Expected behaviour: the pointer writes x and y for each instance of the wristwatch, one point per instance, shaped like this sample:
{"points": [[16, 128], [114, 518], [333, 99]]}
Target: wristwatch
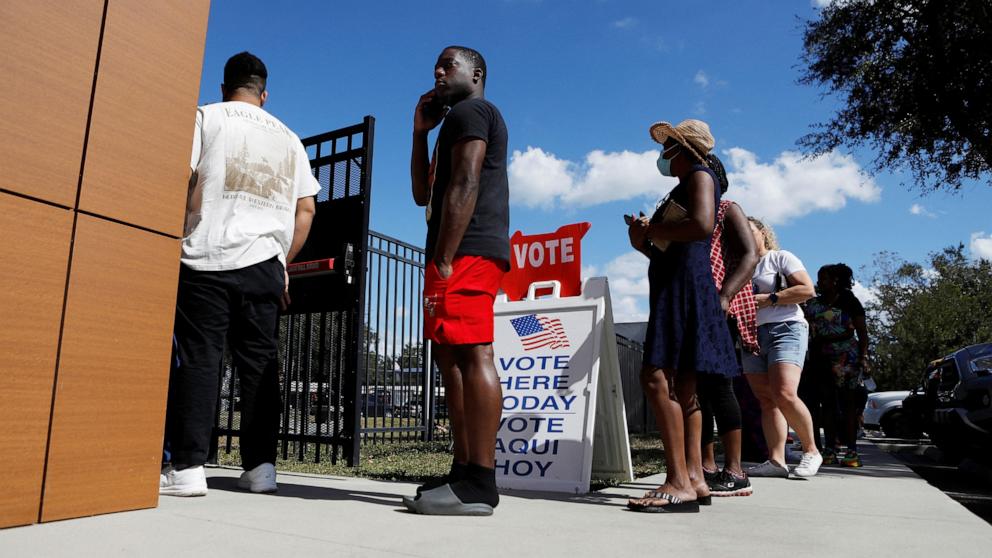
{"points": [[774, 298]]}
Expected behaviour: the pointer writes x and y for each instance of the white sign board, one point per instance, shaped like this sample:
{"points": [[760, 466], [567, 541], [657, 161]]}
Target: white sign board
{"points": [[557, 362]]}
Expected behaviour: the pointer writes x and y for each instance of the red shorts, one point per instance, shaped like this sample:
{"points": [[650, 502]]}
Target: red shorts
{"points": [[459, 310]]}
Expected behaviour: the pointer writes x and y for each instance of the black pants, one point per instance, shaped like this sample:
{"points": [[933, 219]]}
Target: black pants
{"points": [[717, 400], [241, 307], [716, 396], [841, 407], [813, 388]]}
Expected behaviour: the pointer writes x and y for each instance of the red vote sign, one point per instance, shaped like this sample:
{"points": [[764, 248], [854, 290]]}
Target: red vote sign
{"points": [[545, 257]]}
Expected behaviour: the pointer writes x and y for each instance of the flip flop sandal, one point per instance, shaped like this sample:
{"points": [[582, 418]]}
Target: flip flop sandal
{"points": [[674, 505], [444, 501], [703, 500]]}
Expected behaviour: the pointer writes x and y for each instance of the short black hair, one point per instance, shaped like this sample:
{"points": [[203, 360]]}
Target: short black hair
{"points": [[474, 58], [244, 70], [716, 165]]}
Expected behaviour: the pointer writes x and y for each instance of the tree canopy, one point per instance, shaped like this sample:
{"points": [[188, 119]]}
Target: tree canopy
{"points": [[916, 80], [923, 313]]}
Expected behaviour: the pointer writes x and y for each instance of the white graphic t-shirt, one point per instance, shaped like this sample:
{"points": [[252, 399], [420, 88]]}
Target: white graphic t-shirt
{"points": [[782, 263], [250, 170]]}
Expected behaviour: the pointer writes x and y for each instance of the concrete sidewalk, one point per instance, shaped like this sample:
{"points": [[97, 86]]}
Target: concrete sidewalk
{"points": [[883, 509]]}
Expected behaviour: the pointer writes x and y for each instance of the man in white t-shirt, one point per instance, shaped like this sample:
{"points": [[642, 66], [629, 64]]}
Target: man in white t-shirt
{"points": [[250, 205]]}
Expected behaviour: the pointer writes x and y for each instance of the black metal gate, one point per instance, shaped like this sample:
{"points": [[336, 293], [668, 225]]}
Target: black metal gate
{"points": [[323, 335]]}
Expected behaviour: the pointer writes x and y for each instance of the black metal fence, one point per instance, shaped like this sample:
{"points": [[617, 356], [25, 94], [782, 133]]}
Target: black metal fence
{"points": [[640, 417], [399, 400]]}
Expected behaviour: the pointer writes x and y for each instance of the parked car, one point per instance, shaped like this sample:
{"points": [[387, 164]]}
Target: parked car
{"points": [[884, 412], [954, 401]]}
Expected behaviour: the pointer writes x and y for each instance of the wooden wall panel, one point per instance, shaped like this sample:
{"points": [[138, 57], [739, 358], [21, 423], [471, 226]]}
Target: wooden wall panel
{"points": [[107, 425], [49, 56], [137, 159], [34, 252]]}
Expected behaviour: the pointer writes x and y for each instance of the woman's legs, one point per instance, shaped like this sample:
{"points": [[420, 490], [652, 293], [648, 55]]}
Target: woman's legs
{"points": [[685, 391], [704, 388], [852, 411], [659, 387], [809, 393], [830, 397], [727, 411], [773, 422], [783, 383]]}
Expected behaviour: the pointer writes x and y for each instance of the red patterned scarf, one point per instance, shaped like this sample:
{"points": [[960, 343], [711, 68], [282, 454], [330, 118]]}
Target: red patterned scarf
{"points": [[742, 307]]}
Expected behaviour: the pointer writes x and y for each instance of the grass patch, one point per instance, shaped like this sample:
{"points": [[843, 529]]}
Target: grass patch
{"points": [[418, 461]]}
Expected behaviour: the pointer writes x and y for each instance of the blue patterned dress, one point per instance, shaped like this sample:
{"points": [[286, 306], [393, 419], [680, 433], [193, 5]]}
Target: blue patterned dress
{"points": [[687, 329]]}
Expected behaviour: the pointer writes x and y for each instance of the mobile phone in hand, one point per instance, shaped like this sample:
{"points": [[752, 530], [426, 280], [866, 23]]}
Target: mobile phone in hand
{"points": [[434, 108]]}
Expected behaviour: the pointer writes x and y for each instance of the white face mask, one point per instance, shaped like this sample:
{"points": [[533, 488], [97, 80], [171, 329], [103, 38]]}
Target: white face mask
{"points": [[665, 165]]}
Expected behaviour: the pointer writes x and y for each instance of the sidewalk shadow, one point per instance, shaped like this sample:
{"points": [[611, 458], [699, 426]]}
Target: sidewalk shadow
{"points": [[876, 463], [310, 492]]}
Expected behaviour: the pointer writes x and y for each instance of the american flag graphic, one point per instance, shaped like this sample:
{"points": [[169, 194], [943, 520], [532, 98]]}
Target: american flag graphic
{"points": [[537, 332]]}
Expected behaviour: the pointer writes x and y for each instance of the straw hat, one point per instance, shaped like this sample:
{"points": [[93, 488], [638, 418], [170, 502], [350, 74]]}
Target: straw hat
{"points": [[693, 134]]}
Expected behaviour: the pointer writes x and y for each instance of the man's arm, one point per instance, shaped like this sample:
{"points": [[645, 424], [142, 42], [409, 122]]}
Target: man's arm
{"points": [[305, 209], [420, 162], [738, 232], [467, 157]]}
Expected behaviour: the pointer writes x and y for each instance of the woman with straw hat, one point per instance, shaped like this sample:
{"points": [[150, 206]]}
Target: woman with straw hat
{"points": [[687, 331]]}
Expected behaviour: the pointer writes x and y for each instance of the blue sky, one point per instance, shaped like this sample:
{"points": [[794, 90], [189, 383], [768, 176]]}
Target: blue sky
{"points": [[578, 83]]}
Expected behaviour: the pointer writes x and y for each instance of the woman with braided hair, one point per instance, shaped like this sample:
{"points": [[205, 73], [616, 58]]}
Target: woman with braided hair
{"points": [[733, 256]]}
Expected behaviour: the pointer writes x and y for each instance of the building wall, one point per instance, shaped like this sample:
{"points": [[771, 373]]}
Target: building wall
{"points": [[98, 111]]}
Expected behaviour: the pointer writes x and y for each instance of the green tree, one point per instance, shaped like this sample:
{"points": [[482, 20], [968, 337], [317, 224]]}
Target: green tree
{"points": [[923, 313], [916, 80]]}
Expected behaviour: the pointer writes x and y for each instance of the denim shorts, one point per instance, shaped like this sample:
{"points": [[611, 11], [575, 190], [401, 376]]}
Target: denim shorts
{"points": [[780, 342]]}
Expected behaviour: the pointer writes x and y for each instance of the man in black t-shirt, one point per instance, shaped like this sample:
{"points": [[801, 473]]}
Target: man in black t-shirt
{"points": [[466, 194]]}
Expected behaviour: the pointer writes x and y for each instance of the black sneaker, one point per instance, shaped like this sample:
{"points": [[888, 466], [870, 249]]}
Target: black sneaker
{"points": [[710, 476], [729, 484]]}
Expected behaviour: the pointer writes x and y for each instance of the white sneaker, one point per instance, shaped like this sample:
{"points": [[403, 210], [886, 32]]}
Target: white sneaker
{"points": [[809, 465], [768, 469], [261, 479], [191, 481]]}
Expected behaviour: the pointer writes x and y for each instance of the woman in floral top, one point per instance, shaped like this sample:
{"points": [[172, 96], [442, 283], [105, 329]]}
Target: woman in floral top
{"points": [[838, 353]]}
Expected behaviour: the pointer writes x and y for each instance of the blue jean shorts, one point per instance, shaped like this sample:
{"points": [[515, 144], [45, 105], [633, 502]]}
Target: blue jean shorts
{"points": [[780, 342]]}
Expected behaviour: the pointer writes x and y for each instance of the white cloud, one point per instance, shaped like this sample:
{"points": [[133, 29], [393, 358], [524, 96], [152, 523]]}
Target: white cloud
{"points": [[629, 309], [628, 275], [793, 186], [820, 3], [981, 246], [540, 179], [917, 209], [701, 79], [699, 108], [867, 295], [788, 188], [624, 23]]}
